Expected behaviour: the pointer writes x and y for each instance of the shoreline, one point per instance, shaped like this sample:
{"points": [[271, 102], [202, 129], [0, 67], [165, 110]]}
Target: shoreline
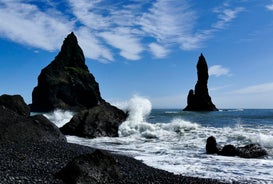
{"points": [[38, 162]]}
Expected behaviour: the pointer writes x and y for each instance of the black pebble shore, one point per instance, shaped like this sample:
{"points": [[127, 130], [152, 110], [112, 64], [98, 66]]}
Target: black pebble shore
{"points": [[38, 162]]}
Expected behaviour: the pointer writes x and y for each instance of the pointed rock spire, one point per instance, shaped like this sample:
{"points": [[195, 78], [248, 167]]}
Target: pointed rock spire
{"points": [[202, 70], [199, 99], [66, 82], [71, 54]]}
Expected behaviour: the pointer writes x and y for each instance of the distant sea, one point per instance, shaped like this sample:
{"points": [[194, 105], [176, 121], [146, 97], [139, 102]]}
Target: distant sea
{"points": [[174, 140]]}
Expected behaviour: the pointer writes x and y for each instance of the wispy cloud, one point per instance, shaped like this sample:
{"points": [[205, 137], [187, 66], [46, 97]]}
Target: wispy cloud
{"points": [[158, 50], [169, 21], [92, 46], [130, 46], [219, 70], [219, 87], [27, 24], [256, 89], [226, 15], [102, 26], [270, 6], [87, 14], [111, 26]]}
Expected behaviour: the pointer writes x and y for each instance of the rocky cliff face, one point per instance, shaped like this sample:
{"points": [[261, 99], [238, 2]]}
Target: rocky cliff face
{"points": [[199, 99], [66, 82]]}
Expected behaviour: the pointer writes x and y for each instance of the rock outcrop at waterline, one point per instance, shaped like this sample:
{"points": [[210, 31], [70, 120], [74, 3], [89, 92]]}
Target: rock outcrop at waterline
{"points": [[248, 151], [66, 82], [100, 121], [16, 125], [199, 99]]}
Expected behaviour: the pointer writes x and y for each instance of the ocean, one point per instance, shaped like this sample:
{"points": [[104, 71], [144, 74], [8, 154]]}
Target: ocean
{"points": [[174, 140]]}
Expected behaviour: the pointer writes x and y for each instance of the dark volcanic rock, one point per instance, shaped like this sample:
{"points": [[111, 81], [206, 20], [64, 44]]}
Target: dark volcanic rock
{"points": [[98, 167], [66, 82], [211, 146], [229, 150], [18, 128], [15, 103], [248, 151], [199, 99], [101, 120], [251, 151]]}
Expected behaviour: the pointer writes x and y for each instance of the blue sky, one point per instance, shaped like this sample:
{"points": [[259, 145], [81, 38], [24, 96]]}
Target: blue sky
{"points": [[148, 48]]}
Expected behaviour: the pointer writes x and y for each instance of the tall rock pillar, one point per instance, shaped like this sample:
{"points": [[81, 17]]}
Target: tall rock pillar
{"points": [[199, 99]]}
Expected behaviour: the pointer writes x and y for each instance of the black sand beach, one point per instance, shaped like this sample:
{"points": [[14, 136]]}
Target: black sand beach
{"points": [[39, 162]]}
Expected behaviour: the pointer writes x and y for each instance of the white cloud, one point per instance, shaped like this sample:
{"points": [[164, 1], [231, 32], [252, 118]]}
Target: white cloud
{"points": [[170, 21], [219, 87], [103, 26], [256, 89], [158, 50], [270, 6], [92, 47], [218, 70], [175, 22], [226, 15], [255, 96], [130, 46], [111, 27], [85, 12], [26, 24]]}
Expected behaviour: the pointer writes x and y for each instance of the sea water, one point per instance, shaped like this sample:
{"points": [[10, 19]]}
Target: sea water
{"points": [[174, 140]]}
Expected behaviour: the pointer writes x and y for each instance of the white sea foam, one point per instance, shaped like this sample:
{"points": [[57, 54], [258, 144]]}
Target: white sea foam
{"points": [[136, 124], [171, 112], [59, 117], [139, 108], [178, 145], [264, 139]]}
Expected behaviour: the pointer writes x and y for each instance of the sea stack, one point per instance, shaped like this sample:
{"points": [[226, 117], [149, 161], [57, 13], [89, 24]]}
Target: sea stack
{"points": [[66, 82], [199, 99]]}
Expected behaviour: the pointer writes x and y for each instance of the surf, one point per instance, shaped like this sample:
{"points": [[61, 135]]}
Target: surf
{"points": [[176, 141]]}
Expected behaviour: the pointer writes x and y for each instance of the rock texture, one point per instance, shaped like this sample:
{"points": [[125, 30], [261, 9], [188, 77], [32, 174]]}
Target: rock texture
{"points": [[15, 127], [212, 147], [248, 151], [15, 103], [199, 99], [251, 151], [38, 163], [229, 151], [99, 121], [98, 167], [66, 82]]}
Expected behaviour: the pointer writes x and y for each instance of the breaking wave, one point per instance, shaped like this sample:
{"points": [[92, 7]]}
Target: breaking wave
{"points": [[139, 109], [59, 117], [173, 141]]}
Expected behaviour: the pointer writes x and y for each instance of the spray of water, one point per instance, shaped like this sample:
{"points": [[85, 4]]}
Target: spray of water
{"points": [[59, 117], [139, 108]]}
